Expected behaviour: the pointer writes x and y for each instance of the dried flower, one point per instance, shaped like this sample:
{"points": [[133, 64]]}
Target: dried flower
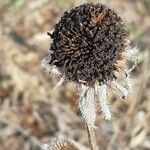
{"points": [[61, 143], [90, 48]]}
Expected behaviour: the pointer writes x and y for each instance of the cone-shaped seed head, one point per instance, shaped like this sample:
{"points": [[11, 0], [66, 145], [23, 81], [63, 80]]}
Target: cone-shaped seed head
{"points": [[88, 42]]}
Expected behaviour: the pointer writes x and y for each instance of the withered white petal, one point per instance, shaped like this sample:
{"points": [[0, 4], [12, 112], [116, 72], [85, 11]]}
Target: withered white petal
{"points": [[87, 106], [45, 61], [132, 52], [102, 96], [59, 83], [49, 68], [129, 83], [123, 90]]}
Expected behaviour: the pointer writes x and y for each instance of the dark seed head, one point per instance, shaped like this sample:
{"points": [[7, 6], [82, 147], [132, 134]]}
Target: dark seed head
{"points": [[87, 43]]}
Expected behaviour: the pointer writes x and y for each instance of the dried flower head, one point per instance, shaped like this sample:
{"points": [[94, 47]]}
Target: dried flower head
{"points": [[89, 48], [61, 143], [87, 43]]}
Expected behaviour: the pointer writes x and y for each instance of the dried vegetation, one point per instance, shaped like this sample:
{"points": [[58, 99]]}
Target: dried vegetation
{"points": [[32, 113]]}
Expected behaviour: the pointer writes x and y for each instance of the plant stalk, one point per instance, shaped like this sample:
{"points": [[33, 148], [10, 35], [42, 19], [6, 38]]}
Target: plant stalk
{"points": [[91, 137]]}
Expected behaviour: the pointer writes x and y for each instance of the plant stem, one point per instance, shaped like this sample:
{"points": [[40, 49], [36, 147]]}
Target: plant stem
{"points": [[91, 137]]}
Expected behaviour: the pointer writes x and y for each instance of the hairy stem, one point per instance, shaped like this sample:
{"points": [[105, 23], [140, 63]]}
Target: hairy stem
{"points": [[91, 136]]}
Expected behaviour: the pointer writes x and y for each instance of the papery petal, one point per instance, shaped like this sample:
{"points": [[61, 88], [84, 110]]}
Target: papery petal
{"points": [[87, 106], [122, 89], [102, 96]]}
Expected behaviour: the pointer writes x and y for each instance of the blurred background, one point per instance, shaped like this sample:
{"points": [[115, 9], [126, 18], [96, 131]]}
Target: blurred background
{"points": [[31, 113]]}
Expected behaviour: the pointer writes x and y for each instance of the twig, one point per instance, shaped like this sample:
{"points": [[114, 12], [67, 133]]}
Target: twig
{"points": [[91, 136]]}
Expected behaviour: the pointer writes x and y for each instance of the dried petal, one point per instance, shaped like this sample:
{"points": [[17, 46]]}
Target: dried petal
{"points": [[102, 95], [87, 106]]}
